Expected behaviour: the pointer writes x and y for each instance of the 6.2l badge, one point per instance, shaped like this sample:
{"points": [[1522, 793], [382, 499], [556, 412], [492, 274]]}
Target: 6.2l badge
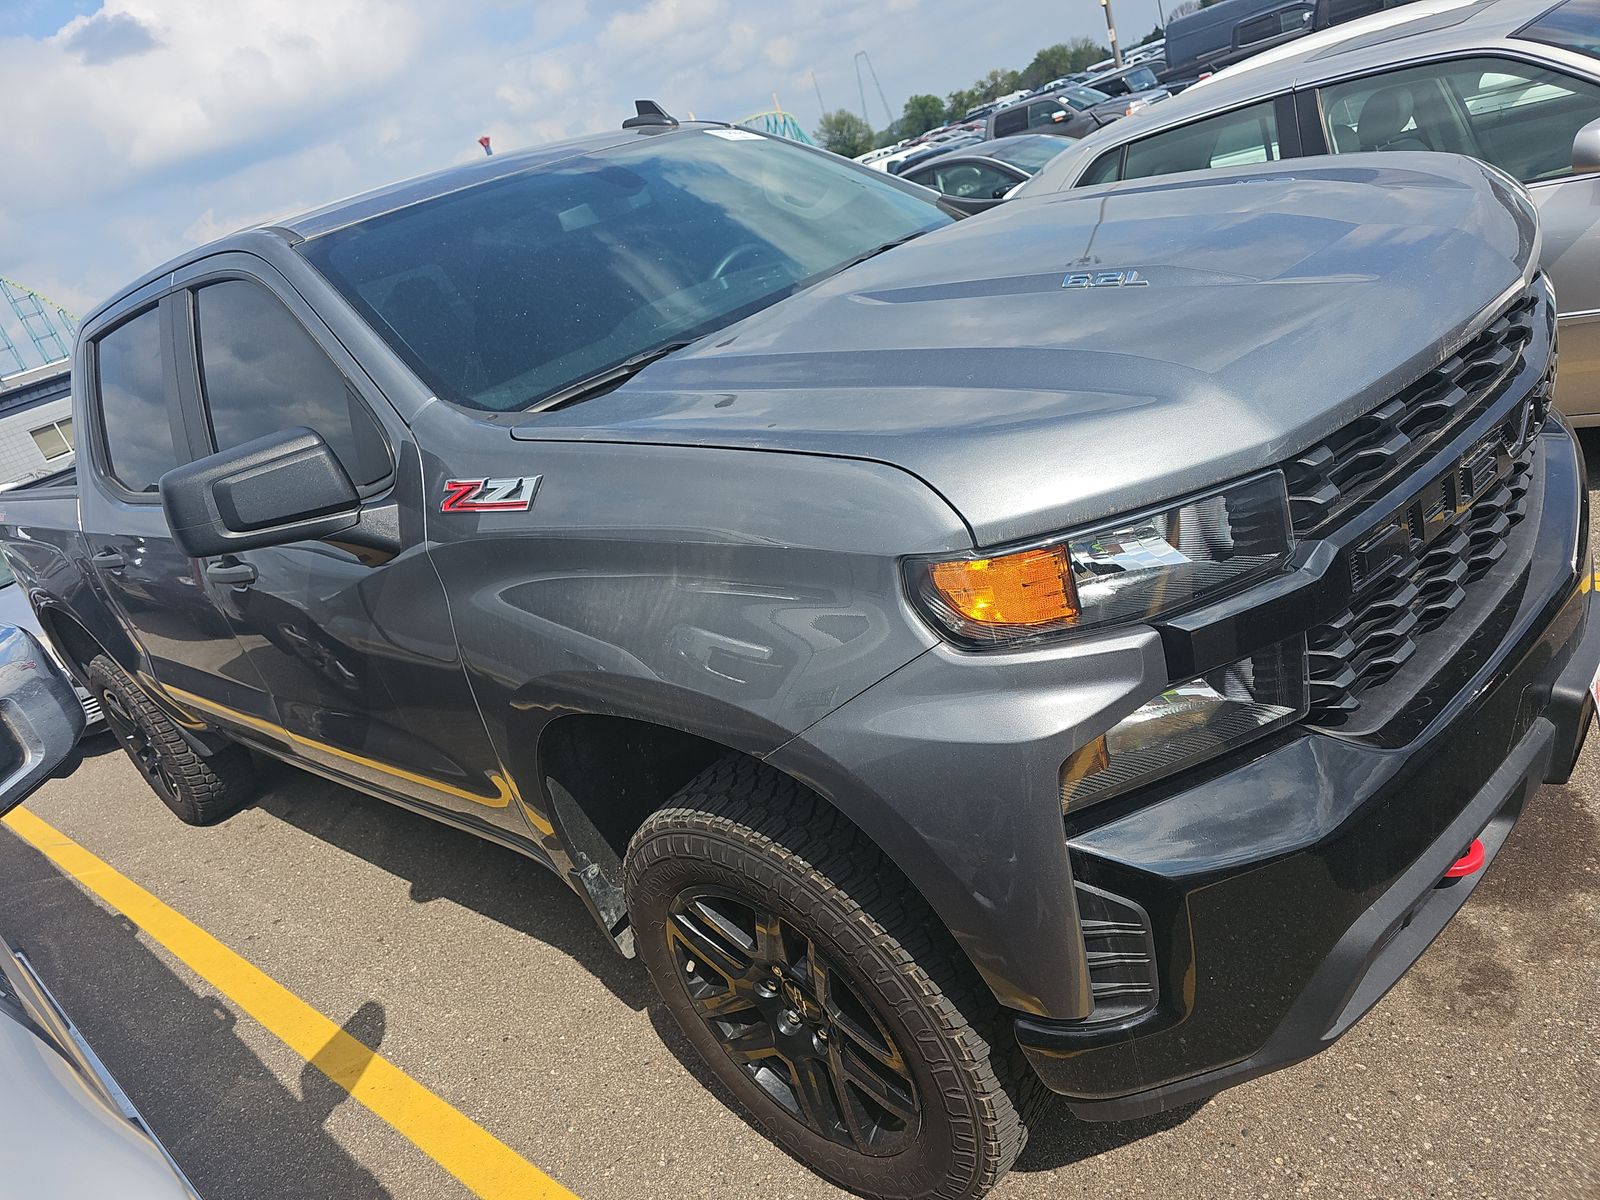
{"points": [[489, 495]]}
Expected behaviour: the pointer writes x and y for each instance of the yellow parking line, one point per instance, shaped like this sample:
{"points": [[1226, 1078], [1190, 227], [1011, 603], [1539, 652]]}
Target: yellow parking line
{"points": [[482, 1162]]}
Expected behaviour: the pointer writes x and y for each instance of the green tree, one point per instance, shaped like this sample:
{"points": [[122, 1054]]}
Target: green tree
{"points": [[844, 133], [922, 113], [1061, 59], [992, 86]]}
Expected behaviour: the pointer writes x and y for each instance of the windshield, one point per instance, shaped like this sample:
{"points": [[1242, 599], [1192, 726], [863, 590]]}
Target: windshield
{"points": [[505, 293], [1032, 152], [1084, 97], [1574, 25]]}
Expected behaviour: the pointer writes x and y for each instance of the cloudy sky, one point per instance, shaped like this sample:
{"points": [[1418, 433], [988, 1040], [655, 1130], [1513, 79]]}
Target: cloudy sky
{"points": [[132, 129]]}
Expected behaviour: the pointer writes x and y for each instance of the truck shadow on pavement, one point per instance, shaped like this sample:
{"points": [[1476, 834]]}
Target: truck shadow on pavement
{"points": [[175, 1048], [439, 862]]}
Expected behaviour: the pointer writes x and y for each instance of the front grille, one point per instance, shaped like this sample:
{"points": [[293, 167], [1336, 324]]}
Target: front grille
{"points": [[1367, 644], [1357, 459]]}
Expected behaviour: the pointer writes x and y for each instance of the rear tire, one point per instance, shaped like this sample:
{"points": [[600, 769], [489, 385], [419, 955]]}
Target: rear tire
{"points": [[201, 790], [818, 986]]}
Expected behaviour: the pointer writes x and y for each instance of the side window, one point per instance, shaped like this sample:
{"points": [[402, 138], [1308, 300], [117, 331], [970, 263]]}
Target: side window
{"points": [[1271, 25], [1519, 117], [133, 403], [260, 372], [1044, 114], [1105, 169], [1248, 135], [1012, 121], [973, 181]]}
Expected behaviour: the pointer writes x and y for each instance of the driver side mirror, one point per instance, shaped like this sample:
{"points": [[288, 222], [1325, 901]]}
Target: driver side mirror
{"points": [[285, 487], [1586, 149]]}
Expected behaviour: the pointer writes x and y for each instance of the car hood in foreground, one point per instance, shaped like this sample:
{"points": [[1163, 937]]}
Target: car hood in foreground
{"points": [[1241, 315]]}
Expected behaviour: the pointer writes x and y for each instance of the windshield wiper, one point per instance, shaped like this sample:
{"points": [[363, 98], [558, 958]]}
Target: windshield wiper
{"points": [[864, 255], [605, 381]]}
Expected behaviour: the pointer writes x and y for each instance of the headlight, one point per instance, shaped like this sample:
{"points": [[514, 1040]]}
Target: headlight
{"points": [[1189, 723], [1129, 570], [1135, 106]]}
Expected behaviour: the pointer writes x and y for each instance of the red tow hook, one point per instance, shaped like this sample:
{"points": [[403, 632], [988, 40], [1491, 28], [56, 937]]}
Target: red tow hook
{"points": [[1469, 863]]}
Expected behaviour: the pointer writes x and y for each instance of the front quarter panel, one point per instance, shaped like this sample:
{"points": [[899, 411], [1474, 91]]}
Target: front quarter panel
{"points": [[737, 595]]}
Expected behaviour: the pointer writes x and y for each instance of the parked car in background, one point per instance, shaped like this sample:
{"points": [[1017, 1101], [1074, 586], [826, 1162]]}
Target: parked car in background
{"points": [[979, 177], [934, 150], [1209, 39], [1212, 38], [1322, 39], [1136, 77], [1073, 111], [66, 1128], [1515, 83]]}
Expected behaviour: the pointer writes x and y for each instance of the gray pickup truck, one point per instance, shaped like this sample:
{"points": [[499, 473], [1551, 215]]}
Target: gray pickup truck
{"points": [[1091, 647]]}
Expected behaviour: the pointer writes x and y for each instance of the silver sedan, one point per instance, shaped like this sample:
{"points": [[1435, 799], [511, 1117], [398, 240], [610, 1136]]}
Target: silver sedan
{"points": [[1515, 83]]}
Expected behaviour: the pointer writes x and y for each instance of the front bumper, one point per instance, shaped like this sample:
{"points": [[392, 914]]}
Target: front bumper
{"points": [[1288, 893]]}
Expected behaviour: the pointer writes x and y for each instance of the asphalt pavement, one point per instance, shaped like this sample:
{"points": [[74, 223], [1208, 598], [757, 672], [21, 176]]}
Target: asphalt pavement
{"points": [[480, 977]]}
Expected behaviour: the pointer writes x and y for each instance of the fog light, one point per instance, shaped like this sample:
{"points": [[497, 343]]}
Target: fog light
{"points": [[1189, 723]]}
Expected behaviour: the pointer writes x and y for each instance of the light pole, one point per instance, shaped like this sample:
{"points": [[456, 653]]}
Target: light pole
{"points": [[1111, 28]]}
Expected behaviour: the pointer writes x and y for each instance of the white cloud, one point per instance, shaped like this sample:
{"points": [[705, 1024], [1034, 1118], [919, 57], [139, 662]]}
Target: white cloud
{"points": [[152, 125]]}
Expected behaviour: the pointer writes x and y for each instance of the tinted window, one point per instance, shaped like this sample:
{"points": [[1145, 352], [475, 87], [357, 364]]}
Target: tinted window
{"points": [[1249, 135], [1045, 114], [133, 403], [1012, 121], [1574, 25], [972, 181], [261, 372], [515, 289], [1519, 117], [1264, 28], [1105, 169]]}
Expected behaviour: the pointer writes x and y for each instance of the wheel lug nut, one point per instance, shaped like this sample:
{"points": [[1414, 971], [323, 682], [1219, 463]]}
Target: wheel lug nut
{"points": [[822, 1035], [791, 1016]]}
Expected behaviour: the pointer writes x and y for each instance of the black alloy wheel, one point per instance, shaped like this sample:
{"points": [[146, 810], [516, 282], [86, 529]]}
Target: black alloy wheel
{"points": [[141, 749], [792, 1022]]}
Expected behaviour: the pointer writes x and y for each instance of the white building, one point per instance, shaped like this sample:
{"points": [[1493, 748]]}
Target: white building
{"points": [[35, 423]]}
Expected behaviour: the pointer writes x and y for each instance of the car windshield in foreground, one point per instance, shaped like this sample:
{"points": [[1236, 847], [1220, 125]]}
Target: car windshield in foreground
{"points": [[1030, 153], [1574, 25], [545, 285]]}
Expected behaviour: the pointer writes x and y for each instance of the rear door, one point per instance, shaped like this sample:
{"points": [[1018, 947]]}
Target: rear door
{"points": [[354, 641], [129, 381]]}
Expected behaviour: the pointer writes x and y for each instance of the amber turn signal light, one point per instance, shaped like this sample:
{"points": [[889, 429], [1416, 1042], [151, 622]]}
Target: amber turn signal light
{"points": [[1029, 588]]}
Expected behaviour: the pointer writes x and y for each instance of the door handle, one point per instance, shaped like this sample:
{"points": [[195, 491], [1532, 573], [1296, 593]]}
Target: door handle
{"points": [[110, 560], [231, 571]]}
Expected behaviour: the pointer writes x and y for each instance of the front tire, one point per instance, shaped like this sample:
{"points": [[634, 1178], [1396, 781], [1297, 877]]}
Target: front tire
{"points": [[201, 790], [822, 991]]}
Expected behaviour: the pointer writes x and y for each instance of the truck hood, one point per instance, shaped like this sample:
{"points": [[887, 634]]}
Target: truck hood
{"points": [[1236, 317]]}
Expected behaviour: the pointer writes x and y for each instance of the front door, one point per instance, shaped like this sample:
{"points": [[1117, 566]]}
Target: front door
{"points": [[354, 641], [136, 436]]}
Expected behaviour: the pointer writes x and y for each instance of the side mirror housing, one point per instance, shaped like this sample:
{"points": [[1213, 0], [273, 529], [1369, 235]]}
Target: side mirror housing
{"points": [[285, 487], [39, 715], [1586, 149]]}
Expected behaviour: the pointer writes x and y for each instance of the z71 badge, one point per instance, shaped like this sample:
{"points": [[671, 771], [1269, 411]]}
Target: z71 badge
{"points": [[490, 495]]}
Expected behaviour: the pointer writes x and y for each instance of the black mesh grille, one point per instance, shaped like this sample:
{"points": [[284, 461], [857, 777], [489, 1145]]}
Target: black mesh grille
{"points": [[1358, 458], [1367, 644]]}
